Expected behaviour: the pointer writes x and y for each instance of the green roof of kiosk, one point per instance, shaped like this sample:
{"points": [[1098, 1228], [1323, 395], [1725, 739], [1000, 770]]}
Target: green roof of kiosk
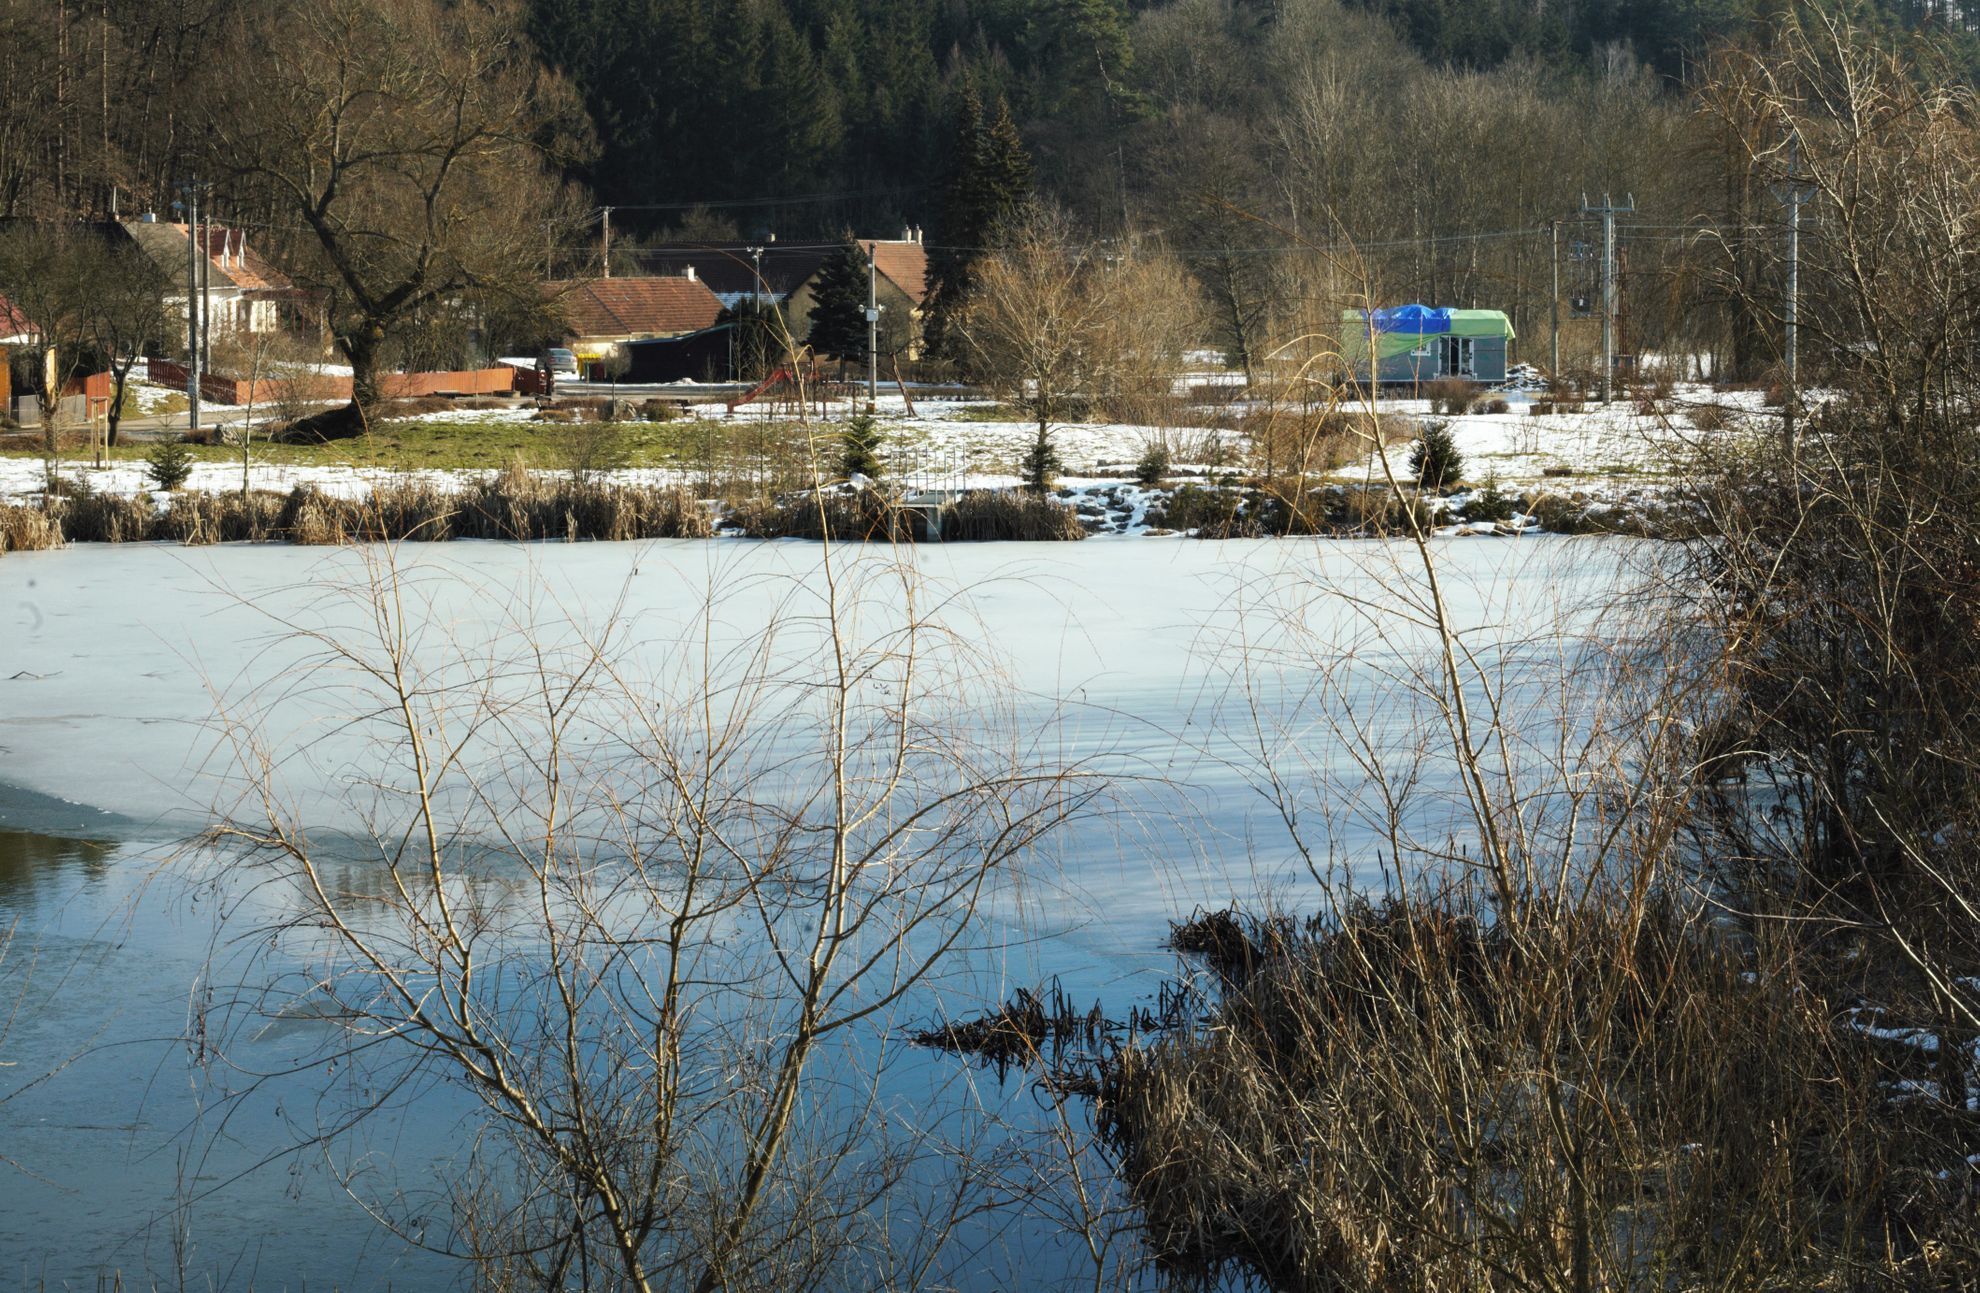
{"points": [[1481, 323]]}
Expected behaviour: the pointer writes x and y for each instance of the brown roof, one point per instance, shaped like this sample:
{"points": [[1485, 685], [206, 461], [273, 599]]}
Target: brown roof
{"points": [[904, 263], [636, 307], [236, 261], [12, 322]]}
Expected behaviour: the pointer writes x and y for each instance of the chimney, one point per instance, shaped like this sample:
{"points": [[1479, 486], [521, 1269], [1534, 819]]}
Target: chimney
{"points": [[149, 217], [690, 274], [917, 235], [907, 233]]}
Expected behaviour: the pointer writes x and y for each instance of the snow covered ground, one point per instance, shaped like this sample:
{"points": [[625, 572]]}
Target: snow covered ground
{"points": [[1618, 453]]}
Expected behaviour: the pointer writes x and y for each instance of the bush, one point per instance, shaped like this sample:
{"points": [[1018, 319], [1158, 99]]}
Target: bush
{"points": [[1450, 395], [592, 449], [1208, 510], [659, 410], [1496, 405], [1490, 504], [1435, 462], [1153, 465], [1375, 511], [169, 465], [1708, 417], [859, 452], [1562, 515]]}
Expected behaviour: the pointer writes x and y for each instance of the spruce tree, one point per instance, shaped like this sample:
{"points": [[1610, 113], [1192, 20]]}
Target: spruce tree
{"points": [[1006, 171], [989, 183], [965, 206], [838, 310]]}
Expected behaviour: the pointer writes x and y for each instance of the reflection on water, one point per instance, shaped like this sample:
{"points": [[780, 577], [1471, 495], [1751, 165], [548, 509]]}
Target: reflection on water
{"points": [[113, 1164], [31, 863]]}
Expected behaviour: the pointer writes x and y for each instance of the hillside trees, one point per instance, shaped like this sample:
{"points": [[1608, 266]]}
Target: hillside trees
{"points": [[408, 142]]}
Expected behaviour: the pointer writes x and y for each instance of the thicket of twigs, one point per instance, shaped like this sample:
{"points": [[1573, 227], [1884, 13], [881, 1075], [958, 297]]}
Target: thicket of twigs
{"points": [[1698, 1004]]}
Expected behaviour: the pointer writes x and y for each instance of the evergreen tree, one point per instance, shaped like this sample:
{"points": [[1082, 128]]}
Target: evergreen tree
{"points": [[990, 181], [959, 234], [859, 451], [1007, 175], [838, 310]]}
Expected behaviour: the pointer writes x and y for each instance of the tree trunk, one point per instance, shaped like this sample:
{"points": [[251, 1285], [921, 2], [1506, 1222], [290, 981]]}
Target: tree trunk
{"points": [[361, 345], [119, 380]]}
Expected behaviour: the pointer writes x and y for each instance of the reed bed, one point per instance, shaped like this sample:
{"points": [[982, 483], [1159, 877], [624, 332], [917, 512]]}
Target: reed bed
{"points": [[27, 529], [514, 506], [865, 516], [1005, 516], [1417, 1096]]}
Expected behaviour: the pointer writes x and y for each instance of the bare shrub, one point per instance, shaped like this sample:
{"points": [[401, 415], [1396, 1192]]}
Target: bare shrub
{"points": [[1451, 396], [590, 450], [573, 952]]}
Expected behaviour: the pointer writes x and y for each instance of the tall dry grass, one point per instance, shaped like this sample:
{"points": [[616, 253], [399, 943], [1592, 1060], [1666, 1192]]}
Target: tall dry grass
{"points": [[515, 506], [27, 529]]}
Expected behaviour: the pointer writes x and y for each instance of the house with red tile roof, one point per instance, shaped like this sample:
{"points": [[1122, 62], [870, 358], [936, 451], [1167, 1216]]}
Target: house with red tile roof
{"points": [[900, 288], [245, 291], [603, 314]]}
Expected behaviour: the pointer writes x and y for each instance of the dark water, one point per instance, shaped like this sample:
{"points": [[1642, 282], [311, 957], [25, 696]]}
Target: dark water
{"points": [[124, 1153]]}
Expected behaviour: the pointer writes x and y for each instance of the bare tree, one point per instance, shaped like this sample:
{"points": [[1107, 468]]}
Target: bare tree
{"points": [[406, 139], [49, 273], [1035, 322], [127, 315]]}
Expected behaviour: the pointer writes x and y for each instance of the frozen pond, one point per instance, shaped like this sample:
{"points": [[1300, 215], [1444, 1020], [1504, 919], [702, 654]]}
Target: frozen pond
{"points": [[1175, 674]]}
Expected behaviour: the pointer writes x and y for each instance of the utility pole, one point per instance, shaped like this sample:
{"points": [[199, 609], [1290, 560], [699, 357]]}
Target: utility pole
{"points": [[206, 288], [1793, 193], [192, 304], [1554, 306], [1608, 211], [872, 329], [607, 226]]}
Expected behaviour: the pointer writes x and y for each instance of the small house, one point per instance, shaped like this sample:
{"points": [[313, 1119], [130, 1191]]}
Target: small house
{"points": [[603, 316], [1416, 344]]}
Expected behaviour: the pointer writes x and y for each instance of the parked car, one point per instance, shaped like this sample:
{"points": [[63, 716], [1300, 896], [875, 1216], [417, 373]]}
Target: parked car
{"points": [[563, 363]]}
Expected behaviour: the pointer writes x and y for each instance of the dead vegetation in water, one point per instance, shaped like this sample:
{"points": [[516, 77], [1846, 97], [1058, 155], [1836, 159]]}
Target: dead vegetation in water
{"points": [[873, 516], [1419, 1097], [1031, 1029]]}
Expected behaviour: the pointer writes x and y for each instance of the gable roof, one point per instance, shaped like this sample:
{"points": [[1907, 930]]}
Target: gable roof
{"points": [[635, 307], [904, 264], [729, 269], [15, 327], [233, 260]]}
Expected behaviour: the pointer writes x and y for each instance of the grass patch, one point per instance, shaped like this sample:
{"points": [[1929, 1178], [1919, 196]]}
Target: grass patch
{"points": [[988, 413]]}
